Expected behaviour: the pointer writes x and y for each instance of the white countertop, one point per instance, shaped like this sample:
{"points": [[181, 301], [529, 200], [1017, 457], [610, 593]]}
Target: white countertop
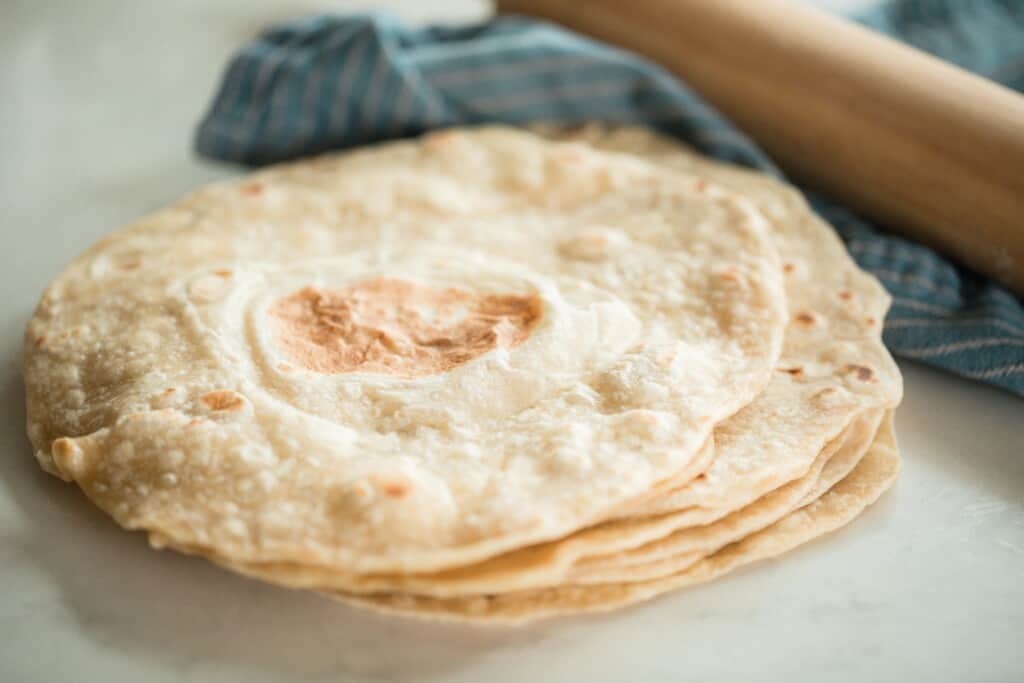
{"points": [[98, 104]]}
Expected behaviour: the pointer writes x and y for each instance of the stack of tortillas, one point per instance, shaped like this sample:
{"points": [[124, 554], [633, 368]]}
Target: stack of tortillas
{"points": [[489, 375]]}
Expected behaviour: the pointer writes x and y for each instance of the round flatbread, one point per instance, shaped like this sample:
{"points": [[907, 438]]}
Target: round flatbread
{"points": [[406, 358]]}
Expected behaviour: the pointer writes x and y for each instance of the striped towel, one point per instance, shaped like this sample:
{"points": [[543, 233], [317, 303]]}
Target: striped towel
{"points": [[331, 82]]}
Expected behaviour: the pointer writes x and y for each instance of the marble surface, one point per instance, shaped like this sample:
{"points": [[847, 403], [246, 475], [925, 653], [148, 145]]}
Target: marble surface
{"points": [[99, 100]]}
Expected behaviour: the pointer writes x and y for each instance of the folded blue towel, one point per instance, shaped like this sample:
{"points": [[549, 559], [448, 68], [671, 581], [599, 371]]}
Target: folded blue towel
{"points": [[333, 82]]}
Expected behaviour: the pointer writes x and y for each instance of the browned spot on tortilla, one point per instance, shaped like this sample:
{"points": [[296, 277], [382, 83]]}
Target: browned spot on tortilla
{"points": [[69, 458], [730, 274], [871, 322], [252, 189], [223, 272], [701, 185], [846, 295], [40, 341], [285, 367], [398, 327], [395, 489], [195, 421], [223, 401], [795, 371], [65, 447], [788, 268], [805, 318], [862, 372], [129, 264], [168, 391]]}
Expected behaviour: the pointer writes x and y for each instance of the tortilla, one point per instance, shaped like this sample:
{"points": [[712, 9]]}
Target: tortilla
{"points": [[406, 358]]}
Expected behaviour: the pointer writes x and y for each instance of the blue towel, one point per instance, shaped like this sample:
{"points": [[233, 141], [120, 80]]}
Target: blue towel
{"points": [[330, 82]]}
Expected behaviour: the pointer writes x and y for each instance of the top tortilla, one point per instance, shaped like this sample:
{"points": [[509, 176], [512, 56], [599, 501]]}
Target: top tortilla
{"points": [[406, 358]]}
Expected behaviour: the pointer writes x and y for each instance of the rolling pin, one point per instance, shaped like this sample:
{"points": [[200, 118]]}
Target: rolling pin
{"points": [[922, 146]]}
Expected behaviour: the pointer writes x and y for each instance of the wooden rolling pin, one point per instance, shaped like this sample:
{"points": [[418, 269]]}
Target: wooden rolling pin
{"points": [[918, 144]]}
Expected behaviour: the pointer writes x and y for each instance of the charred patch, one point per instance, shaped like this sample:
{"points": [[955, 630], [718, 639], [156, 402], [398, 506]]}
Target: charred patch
{"points": [[862, 372]]}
